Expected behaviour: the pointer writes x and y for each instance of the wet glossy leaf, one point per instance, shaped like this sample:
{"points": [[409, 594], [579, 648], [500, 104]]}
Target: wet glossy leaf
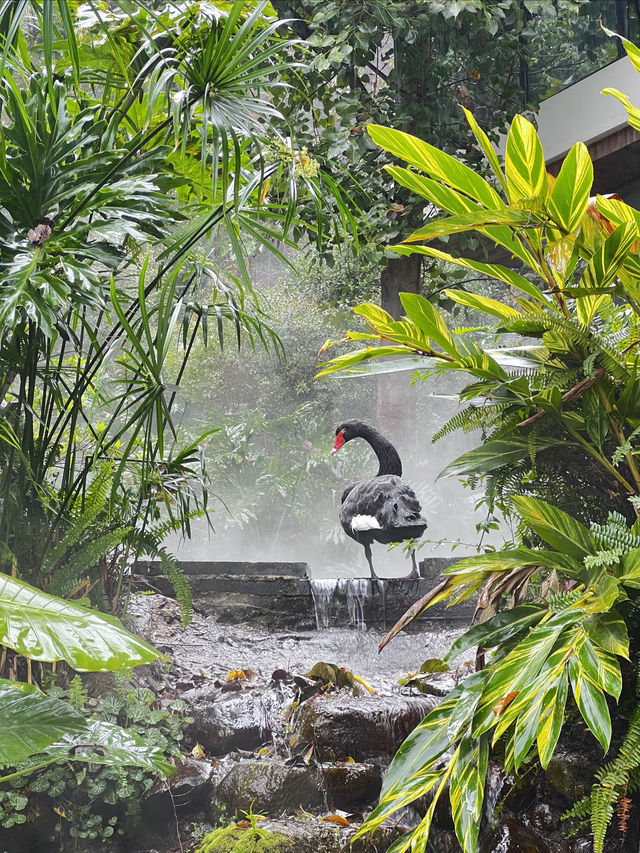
{"points": [[551, 718], [556, 527], [42, 627], [496, 454], [501, 627], [31, 721], [466, 792], [591, 704], [609, 632], [106, 743]]}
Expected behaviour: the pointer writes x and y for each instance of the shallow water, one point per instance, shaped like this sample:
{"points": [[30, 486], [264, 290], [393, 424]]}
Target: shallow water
{"points": [[209, 649]]}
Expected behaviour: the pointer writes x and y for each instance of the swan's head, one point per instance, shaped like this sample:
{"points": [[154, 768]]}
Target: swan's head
{"points": [[346, 431]]}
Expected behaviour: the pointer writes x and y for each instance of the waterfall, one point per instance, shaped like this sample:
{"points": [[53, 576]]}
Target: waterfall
{"points": [[341, 601]]}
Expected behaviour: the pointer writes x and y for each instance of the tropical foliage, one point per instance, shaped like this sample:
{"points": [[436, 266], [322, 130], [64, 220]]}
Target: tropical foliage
{"points": [[557, 608]]}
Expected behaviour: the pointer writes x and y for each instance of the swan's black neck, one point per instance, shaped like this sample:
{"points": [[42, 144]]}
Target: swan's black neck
{"points": [[388, 459]]}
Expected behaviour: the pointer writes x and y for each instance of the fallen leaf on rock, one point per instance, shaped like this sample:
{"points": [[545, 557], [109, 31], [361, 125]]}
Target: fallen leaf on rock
{"points": [[197, 751], [337, 819], [236, 673]]}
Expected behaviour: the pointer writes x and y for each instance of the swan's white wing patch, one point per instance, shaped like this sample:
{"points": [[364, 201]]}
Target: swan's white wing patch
{"points": [[365, 522]]}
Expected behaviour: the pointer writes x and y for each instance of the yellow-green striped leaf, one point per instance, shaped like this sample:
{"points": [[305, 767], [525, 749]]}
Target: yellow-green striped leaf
{"points": [[618, 211], [513, 279], [500, 628], [343, 362], [551, 718], [570, 195], [439, 194], [476, 221], [633, 113], [487, 147], [524, 161], [421, 312], [483, 304], [555, 527], [605, 263], [435, 163], [466, 789], [591, 703], [602, 668], [609, 632], [517, 671]]}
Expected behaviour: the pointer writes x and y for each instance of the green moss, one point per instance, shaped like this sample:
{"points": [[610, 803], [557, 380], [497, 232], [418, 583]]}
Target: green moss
{"points": [[232, 839]]}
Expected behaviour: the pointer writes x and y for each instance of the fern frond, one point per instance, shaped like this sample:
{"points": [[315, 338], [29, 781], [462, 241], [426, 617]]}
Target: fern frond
{"points": [[84, 560]]}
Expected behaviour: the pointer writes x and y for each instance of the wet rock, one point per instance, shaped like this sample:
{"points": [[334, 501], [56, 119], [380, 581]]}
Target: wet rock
{"points": [[270, 787], [226, 721], [509, 836], [341, 725], [571, 770], [186, 791], [277, 787], [351, 786], [319, 835]]}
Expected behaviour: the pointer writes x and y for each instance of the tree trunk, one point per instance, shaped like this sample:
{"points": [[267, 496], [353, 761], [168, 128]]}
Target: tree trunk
{"points": [[396, 403]]}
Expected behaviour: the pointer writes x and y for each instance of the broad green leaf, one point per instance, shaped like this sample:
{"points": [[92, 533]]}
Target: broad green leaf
{"points": [[632, 50], [435, 163], [439, 194], [591, 703], [555, 527], [423, 746], [427, 318], [31, 721], [513, 279], [633, 113], [373, 314], [602, 668], [351, 358], [496, 454], [487, 147], [631, 569], [501, 627], [570, 195], [618, 211], [107, 743], [524, 161], [603, 268], [476, 222], [514, 558], [609, 632], [518, 670], [42, 627], [397, 364], [596, 418], [464, 709], [551, 719], [482, 303], [466, 790]]}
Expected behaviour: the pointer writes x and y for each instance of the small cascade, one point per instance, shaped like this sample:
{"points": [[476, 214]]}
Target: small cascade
{"points": [[341, 602], [322, 590]]}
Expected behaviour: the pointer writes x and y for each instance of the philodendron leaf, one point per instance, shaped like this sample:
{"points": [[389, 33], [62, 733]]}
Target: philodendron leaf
{"points": [[107, 743], [32, 721], [42, 627]]}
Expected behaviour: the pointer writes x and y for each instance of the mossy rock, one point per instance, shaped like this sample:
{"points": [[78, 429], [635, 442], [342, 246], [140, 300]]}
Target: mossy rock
{"points": [[233, 839]]}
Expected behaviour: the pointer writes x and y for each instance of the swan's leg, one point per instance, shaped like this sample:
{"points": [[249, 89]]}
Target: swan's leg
{"points": [[414, 571], [367, 553]]}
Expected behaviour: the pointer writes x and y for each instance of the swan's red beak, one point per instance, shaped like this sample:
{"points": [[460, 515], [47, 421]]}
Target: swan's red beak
{"points": [[339, 442]]}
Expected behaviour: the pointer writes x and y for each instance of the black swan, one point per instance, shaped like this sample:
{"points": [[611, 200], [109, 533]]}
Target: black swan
{"points": [[384, 508]]}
